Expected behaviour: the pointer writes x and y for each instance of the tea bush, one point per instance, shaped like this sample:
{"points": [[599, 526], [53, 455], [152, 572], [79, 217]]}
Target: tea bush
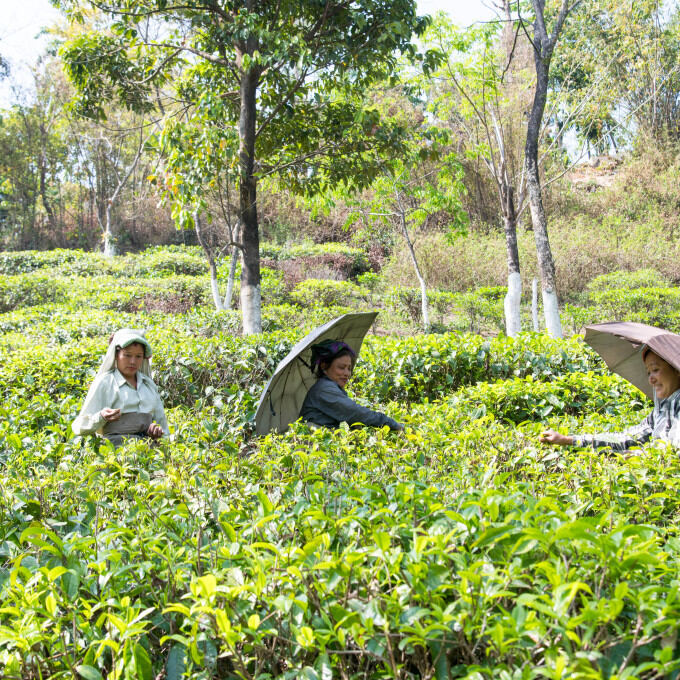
{"points": [[25, 261], [26, 290], [475, 311], [429, 367], [358, 256], [161, 262], [653, 306], [408, 303], [459, 548], [325, 293], [642, 278]]}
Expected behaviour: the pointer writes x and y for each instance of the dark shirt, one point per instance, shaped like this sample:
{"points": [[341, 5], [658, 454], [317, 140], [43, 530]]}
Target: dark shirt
{"points": [[327, 404]]}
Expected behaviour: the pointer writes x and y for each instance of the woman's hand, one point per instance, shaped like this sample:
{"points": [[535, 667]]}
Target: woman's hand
{"points": [[110, 414], [155, 431], [555, 438]]}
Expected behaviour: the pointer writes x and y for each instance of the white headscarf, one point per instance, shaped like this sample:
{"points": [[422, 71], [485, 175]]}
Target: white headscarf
{"points": [[123, 338]]}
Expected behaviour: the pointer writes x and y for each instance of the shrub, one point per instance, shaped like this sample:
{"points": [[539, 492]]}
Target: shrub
{"points": [[481, 309], [161, 262], [474, 311], [407, 302], [521, 399], [21, 262], [270, 251], [272, 286], [460, 547], [27, 290], [653, 306], [641, 278], [171, 294], [325, 293], [432, 366]]}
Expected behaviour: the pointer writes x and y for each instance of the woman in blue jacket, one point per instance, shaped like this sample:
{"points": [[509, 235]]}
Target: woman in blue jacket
{"points": [[327, 403]]}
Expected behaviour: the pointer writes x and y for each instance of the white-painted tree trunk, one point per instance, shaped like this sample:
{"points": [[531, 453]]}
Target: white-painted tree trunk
{"points": [[424, 304], [534, 304], [251, 306], [215, 288], [109, 241], [552, 313], [511, 304], [232, 276]]}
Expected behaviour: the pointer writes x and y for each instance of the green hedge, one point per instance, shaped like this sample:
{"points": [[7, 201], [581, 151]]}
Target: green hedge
{"points": [[431, 366], [27, 290], [328, 293]]}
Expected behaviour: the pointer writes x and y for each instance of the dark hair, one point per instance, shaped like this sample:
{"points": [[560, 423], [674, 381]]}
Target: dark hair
{"points": [[646, 350], [327, 352]]}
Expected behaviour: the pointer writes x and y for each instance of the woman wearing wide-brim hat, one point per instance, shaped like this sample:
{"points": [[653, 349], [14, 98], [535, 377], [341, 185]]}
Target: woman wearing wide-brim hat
{"points": [[633, 350], [123, 401]]}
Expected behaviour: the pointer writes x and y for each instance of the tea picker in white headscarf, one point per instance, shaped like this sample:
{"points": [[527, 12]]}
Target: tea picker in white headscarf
{"points": [[123, 400]]}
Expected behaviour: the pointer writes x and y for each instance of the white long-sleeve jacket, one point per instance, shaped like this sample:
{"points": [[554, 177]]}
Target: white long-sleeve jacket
{"points": [[111, 390]]}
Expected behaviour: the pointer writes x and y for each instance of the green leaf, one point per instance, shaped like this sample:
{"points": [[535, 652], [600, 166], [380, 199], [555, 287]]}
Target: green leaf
{"points": [[89, 672], [176, 663]]}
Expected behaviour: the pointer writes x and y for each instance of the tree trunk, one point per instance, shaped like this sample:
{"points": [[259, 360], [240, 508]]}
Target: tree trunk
{"points": [[250, 270], [534, 304], [214, 284], [109, 241], [424, 305], [513, 298], [43, 190], [546, 264], [232, 276]]}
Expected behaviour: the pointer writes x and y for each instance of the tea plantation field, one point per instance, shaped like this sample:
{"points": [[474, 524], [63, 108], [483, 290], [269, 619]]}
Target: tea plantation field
{"points": [[460, 548]]}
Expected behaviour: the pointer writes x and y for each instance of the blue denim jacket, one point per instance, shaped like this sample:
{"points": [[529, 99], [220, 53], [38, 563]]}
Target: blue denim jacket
{"points": [[327, 404]]}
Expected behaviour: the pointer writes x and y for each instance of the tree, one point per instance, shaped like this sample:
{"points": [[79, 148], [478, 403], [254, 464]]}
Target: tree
{"points": [[543, 43], [482, 91], [412, 189], [629, 54], [273, 74], [192, 151], [33, 163]]}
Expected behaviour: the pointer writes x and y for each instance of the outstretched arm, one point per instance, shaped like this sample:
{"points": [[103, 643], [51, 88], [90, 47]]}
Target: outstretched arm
{"points": [[555, 438], [332, 401], [617, 441]]}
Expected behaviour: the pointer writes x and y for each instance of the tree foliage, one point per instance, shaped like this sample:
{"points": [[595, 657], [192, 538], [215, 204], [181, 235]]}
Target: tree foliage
{"points": [[281, 78]]}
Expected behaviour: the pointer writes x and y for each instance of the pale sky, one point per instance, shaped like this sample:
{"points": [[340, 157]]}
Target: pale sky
{"points": [[22, 20]]}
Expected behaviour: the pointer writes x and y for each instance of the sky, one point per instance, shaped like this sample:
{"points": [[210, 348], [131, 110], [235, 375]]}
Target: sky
{"points": [[22, 20]]}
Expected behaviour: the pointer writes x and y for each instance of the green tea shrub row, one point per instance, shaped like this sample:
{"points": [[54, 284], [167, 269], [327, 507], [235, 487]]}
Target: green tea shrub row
{"points": [[473, 311], [329, 293], [519, 399], [409, 369], [26, 290], [428, 367], [642, 278], [171, 294], [653, 306], [25, 261], [447, 552], [154, 262], [161, 262]]}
